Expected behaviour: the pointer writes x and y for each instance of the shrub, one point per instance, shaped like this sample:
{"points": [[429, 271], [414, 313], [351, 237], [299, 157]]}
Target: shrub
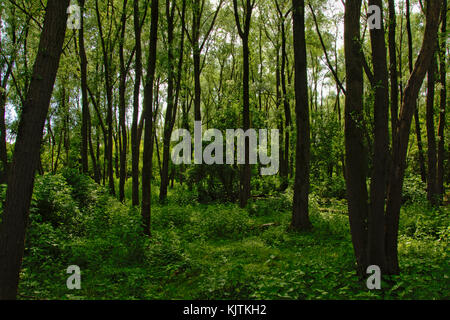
{"points": [[171, 216], [414, 190], [221, 221], [52, 201]]}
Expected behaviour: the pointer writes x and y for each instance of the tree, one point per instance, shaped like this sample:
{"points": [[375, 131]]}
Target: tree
{"points": [[85, 102], [284, 168], [135, 128], [244, 31], [300, 211], [107, 49], [356, 152], [27, 148], [172, 95], [376, 254], [148, 120], [416, 112], [198, 9], [122, 104], [399, 151], [443, 104], [432, 187], [393, 68]]}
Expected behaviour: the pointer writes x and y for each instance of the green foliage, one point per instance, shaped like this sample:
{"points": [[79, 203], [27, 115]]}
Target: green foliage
{"points": [[214, 183], [52, 200], [414, 189], [221, 222], [218, 251]]}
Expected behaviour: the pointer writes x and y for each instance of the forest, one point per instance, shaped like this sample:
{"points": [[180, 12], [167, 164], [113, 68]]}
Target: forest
{"points": [[224, 150]]}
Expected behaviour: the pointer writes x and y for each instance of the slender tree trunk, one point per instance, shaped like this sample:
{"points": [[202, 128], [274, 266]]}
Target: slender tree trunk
{"points": [[443, 105], [356, 152], [172, 97], [91, 151], [109, 100], [376, 247], [84, 94], [300, 211], [404, 125], [284, 170], [148, 118], [393, 68], [27, 147], [432, 192], [244, 31], [122, 106], [416, 111], [135, 141]]}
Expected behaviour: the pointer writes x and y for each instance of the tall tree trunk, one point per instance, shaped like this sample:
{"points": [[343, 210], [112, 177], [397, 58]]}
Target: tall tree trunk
{"points": [[135, 141], [244, 31], [91, 150], [27, 147], [84, 94], [109, 100], [432, 192], [148, 119], [416, 111], [400, 148], [443, 104], [393, 68], [122, 106], [375, 245], [172, 99], [356, 152], [300, 210], [284, 167]]}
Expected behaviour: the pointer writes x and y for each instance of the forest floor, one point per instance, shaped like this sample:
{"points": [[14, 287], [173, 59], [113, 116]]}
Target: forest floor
{"points": [[215, 251]]}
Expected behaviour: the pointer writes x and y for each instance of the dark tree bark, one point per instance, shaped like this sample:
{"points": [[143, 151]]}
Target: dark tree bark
{"points": [[376, 254], [148, 119], [404, 125], [443, 104], [300, 210], [122, 105], [416, 112], [197, 48], [172, 95], [244, 31], [135, 139], [280, 122], [356, 152], [393, 68], [91, 149], [432, 187], [284, 166], [109, 100], [26, 155], [84, 94]]}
